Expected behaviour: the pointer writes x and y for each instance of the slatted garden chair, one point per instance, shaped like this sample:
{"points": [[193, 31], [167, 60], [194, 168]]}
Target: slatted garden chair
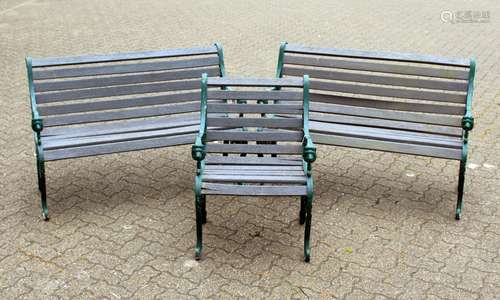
{"points": [[94, 105], [242, 172], [394, 102]]}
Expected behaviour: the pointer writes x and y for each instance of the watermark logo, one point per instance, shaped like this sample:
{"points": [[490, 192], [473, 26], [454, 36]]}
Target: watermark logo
{"points": [[465, 16]]}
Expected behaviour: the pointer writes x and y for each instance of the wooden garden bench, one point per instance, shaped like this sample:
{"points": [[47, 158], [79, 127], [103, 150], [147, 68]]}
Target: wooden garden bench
{"points": [[394, 102], [247, 153], [94, 105]]}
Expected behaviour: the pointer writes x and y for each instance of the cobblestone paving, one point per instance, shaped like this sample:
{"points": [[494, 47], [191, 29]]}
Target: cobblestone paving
{"points": [[122, 225]]}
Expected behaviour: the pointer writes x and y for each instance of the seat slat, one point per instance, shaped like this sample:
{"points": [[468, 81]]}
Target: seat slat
{"points": [[117, 91], [256, 82], [254, 149], [255, 108], [243, 168], [388, 92], [60, 61], [254, 136], [460, 86], [70, 108], [377, 67], [125, 68], [378, 55], [370, 144], [123, 80], [254, 95], [118, 147], [257, 161], [255, 172], [253, 178], [254, 190], [121, 114], [256, 122]]}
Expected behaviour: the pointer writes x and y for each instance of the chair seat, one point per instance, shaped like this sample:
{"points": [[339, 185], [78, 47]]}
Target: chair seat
{"points": [[254, 176]]}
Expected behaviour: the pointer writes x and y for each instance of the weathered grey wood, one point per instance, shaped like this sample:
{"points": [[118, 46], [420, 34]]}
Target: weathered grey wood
{"points": [[255, 95], [260, 82], [255, 122], [385, 104], [121, 114], [386, 134], [123, 79], [254, 136], [460, 86], [113, 138], [118, 91], [69, 108], [125, 68], [255, 108], [254, 172], [370, 144], [234, 189], [378, 55], [377, 67], [254, 149], [373, 122], [388, 91], [244, 168], [118, 147], [254, 178], [60, 61], [268, 161]]}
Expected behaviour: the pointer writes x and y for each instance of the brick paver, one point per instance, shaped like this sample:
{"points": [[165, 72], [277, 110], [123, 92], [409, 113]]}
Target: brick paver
{"points": [[122, 225]]}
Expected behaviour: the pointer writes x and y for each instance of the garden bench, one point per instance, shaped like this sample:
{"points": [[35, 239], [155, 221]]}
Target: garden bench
{"points": [[394, 102], [246, 153], [95, 105]]}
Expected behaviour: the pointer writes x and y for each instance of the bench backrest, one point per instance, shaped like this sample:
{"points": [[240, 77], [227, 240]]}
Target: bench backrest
{"points": [[113, 88], [241, 124], [382, 89]]}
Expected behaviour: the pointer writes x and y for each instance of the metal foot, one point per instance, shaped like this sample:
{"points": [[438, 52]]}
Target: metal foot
{"points": [[199, 228], [460, 192], [307, 230]]}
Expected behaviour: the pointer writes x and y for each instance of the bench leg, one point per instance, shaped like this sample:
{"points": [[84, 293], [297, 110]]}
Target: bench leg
{"points": [[460, 194], [307, 233], [302, 213], [40, 165], [199, 227], [204, 208]]}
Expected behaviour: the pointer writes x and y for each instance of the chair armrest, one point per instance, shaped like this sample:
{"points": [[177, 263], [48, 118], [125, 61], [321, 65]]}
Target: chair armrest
{"points": [[198, 149], [309, 153]]}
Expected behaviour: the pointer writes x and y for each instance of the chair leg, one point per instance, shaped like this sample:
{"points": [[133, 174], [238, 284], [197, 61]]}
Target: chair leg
{"points": [[204, 209], [307, 234], [43, 189], [460, 194], [302, 213], [199, 227]]}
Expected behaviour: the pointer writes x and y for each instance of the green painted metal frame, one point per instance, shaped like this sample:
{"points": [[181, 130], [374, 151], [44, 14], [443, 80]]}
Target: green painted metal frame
{"points": [[198, 153]]}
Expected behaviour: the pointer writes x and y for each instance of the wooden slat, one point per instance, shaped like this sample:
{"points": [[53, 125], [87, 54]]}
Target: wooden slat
{"points": [[253, 178], [257, 161], [383, 104], [388, 91], [121, 114], [378, 55], [255, 108], [460, 86], [377, 67], [125, 68], [254, 95], [124, 79], [254, 190], [255, 172], [386, 134], [254, 149], [244, 168], [387, 146], [117, 91], [113, 138], [118, 147], [61, 109], [254, 136], [60, 61], [256, 82], [255, 122], [382, 123]]}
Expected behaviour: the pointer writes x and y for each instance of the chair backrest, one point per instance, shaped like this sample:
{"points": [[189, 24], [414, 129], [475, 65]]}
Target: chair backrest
{"points": [[358, 87], [103, 88], [242, 123]]}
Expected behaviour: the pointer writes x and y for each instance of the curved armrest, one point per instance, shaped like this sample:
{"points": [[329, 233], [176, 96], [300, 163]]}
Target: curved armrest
{"points": [[309, 153], [198, 150]]}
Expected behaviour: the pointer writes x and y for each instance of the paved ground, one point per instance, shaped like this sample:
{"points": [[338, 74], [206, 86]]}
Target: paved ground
{"points": [[123, 225]]}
